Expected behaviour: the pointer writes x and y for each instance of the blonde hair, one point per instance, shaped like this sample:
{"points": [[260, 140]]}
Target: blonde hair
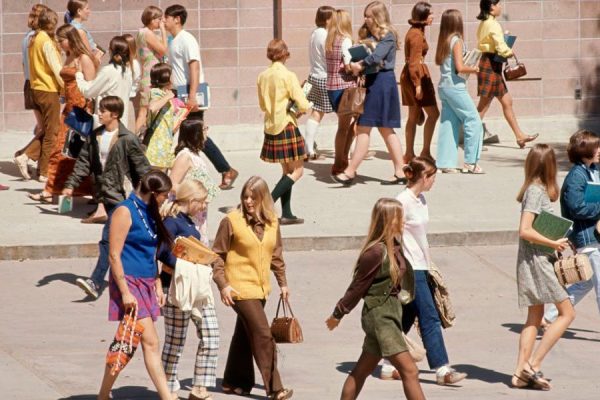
{"points": [[340, 25], [188, 190], [263, 202], [381, 17], [387, 221]]}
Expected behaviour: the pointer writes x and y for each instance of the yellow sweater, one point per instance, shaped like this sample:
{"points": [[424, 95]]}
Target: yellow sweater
{"points": [[491, 39], [44, 64], [276, 87], [248, 261]]}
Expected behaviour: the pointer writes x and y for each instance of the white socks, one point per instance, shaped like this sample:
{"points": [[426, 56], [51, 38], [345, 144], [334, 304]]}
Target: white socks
{"points": [[311, 129]]}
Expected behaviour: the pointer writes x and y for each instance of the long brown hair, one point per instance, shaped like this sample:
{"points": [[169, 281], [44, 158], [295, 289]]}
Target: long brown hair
{"points": [[381, 16], [387, 222], [450, 26], [340, 25], [76, 45], [157, 182], [540, 167], [263, 202]]}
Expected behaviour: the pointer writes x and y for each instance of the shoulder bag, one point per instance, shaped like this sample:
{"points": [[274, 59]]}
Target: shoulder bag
{"points": [[286, 329], [573, 269], [441, 297], [353, 100], [512, 72], [147, 132]]}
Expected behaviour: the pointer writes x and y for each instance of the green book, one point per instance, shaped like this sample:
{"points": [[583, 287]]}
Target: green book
{"points": [[552, 227], [65, 204]]}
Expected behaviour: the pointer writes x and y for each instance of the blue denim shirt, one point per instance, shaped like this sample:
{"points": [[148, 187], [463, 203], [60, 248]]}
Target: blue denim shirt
{"points": [[573, 206], [384, 54]]}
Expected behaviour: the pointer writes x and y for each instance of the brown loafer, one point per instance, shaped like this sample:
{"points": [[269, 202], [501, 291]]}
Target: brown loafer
{"points": [[290, 221], [95, 220], [228, 178]]}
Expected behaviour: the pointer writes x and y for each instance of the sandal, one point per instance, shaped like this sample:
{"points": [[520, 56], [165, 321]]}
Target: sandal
{"points": [[525, 385], [472, 169], [396, 181], [450, 170], [344, 179], [536, 379], [42, 198], [283, 394], [521, 142], [228, 178]]}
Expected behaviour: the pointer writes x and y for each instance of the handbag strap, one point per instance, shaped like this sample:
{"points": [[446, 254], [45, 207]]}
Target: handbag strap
{"points": [[286, 307]]}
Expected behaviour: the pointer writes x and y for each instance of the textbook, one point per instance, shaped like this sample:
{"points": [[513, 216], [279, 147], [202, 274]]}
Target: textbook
{"points": [[470, 59], [360, 52], [202, 95], [292, 107], [592, 192], [552, 227], [192, 250], [510, 41], [65, 204]]}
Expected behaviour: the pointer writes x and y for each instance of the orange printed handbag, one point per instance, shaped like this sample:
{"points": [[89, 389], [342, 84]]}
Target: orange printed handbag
{"points": [[125, 343]]}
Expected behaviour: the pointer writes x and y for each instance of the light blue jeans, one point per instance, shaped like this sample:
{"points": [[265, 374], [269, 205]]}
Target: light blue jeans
{"points": [[577, 291], [458, 110]]}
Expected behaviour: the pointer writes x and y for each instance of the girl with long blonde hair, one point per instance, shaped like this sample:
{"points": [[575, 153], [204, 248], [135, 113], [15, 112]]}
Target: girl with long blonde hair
{"points": [[190, 199], [536, 281], [339, 78], [383, 279]]}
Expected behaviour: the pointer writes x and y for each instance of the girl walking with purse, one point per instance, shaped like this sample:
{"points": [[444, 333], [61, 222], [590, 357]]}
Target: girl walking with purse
{"points": [[340, 78], [382, 103], [537, 283], [421, 173], [190, 199], [383, 278], [248, 244], [415, 81], [458, 109], [490, 83]]}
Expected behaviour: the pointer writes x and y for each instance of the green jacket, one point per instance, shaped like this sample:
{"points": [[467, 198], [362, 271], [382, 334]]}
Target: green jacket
{"points": [[125, 159]]}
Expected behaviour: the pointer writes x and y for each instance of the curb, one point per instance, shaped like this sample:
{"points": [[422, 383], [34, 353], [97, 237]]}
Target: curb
{"points": [[313, 243]]}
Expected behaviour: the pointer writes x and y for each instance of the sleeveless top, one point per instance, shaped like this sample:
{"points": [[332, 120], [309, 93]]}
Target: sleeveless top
{"points": [[73, 97], [337, 77], [139, 252], [146, 56], [448, 76], [79, 25]]}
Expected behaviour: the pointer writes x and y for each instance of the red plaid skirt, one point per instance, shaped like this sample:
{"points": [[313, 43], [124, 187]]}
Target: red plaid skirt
{"points": [[284, 147], [490, 82]]}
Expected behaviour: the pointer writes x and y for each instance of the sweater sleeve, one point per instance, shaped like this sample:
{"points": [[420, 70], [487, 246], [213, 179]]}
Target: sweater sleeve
{"points": [[497, 36], [221, 246], [297, 94], [573, 198], [53, 59], [415, 57], [384, 46], [366, 270], [346, 56], [277, 263], [92, 89]]}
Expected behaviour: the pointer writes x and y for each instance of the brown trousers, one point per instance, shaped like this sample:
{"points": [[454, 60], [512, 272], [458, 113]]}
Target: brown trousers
{"points": [[41, 148], [343, 141], [252, 337]]}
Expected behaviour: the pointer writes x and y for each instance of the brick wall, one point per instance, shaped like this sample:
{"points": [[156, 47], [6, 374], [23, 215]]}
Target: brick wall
{"points": [[557, 40]]}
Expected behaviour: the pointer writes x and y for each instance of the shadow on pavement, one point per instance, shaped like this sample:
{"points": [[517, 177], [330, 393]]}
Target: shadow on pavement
{"points": [[125, 392], [483, 374], [63, 277], [569, 333]]}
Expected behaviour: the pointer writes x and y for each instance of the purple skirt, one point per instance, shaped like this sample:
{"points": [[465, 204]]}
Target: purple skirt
{"points": [[143, 291]]}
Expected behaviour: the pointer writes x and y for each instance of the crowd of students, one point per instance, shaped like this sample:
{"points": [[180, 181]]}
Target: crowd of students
{"points": [[152, 191]]}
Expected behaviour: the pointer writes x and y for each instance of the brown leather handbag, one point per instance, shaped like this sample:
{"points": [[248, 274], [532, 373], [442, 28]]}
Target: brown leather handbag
{"points": [[286, 329], [512, 72], [353, 100]]}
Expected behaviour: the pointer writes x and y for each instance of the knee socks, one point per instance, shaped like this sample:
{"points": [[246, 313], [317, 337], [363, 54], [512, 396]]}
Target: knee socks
{"points": [[283, 190], [309, 137]]}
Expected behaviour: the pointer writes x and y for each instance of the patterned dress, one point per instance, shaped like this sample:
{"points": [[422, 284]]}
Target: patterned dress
{"points": [[536, 281], [160, 149], [148, 59]]}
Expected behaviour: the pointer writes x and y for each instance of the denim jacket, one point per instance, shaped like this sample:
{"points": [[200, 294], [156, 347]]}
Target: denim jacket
{"points": [[573, 206]]}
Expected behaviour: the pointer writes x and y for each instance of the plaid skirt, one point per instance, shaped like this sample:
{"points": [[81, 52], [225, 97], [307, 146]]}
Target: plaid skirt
{"points": [[284, 147], [490, 82], [318, 94], [143, 291]]}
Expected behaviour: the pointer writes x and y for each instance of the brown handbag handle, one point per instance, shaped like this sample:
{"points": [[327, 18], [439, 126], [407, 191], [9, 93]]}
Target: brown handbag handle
{"points": [[285, 303]]}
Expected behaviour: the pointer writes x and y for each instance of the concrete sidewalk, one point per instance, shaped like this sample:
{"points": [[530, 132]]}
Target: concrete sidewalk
{"points": [[465, 209], [53, 342]]}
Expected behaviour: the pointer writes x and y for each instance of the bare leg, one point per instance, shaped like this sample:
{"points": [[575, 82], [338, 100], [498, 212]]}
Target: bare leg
{"points": [[152, 359], [361, 149], [432, 116], [355, 381], [507, 108], [108, 381], [410, 131], [410, 375], [527, 339], [394, 149], [484, 106], [317, 115]]}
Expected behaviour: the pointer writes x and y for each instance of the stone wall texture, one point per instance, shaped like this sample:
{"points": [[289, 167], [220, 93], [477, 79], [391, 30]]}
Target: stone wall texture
{"points": [[557, 40]]}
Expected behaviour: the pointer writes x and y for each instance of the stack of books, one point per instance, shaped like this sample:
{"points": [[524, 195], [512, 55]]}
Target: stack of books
{"points": [[193, 250]]}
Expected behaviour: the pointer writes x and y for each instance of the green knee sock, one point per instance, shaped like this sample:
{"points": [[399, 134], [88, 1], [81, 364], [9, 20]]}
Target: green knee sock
{"points": [[284, 184], [286, 204]]}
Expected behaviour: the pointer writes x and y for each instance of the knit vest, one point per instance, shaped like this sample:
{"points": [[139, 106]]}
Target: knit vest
{"points": [[41, 76], [249, 259]]}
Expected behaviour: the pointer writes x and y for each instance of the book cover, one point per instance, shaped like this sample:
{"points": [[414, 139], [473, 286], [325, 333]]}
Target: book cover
{"points": [[65, 204], [592, 192], [510, 41], [306, 88], [202, 95], [360, 52], [193, 250], [470, 59], [552, 227]]}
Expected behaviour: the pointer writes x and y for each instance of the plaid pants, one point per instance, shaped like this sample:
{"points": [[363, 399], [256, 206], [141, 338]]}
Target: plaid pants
{"points": [[207, 328]]}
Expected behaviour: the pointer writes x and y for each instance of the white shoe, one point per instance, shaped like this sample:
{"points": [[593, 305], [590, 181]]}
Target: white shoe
{"points": [[21, 163], [392, 375], [42, 179]]}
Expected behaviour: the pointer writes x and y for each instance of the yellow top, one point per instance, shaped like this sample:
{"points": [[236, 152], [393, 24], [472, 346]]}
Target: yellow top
{"points": [[248, 261], [491, 38], [44, 64], [276, 87]]}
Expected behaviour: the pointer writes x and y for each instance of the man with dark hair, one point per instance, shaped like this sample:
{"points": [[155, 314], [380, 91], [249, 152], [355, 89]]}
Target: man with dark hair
{"points": [[184, 56], [109, 154]]}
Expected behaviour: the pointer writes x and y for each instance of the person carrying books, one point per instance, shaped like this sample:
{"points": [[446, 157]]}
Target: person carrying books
{"points": [[458, 109], [415, 81], [584, 153], [537, 283], [190, 199], [110, 155], [490, 83]]}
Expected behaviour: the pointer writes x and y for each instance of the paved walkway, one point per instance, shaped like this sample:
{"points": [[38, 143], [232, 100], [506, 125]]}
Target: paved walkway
{"points": [[53, 343], [465, 209]]}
